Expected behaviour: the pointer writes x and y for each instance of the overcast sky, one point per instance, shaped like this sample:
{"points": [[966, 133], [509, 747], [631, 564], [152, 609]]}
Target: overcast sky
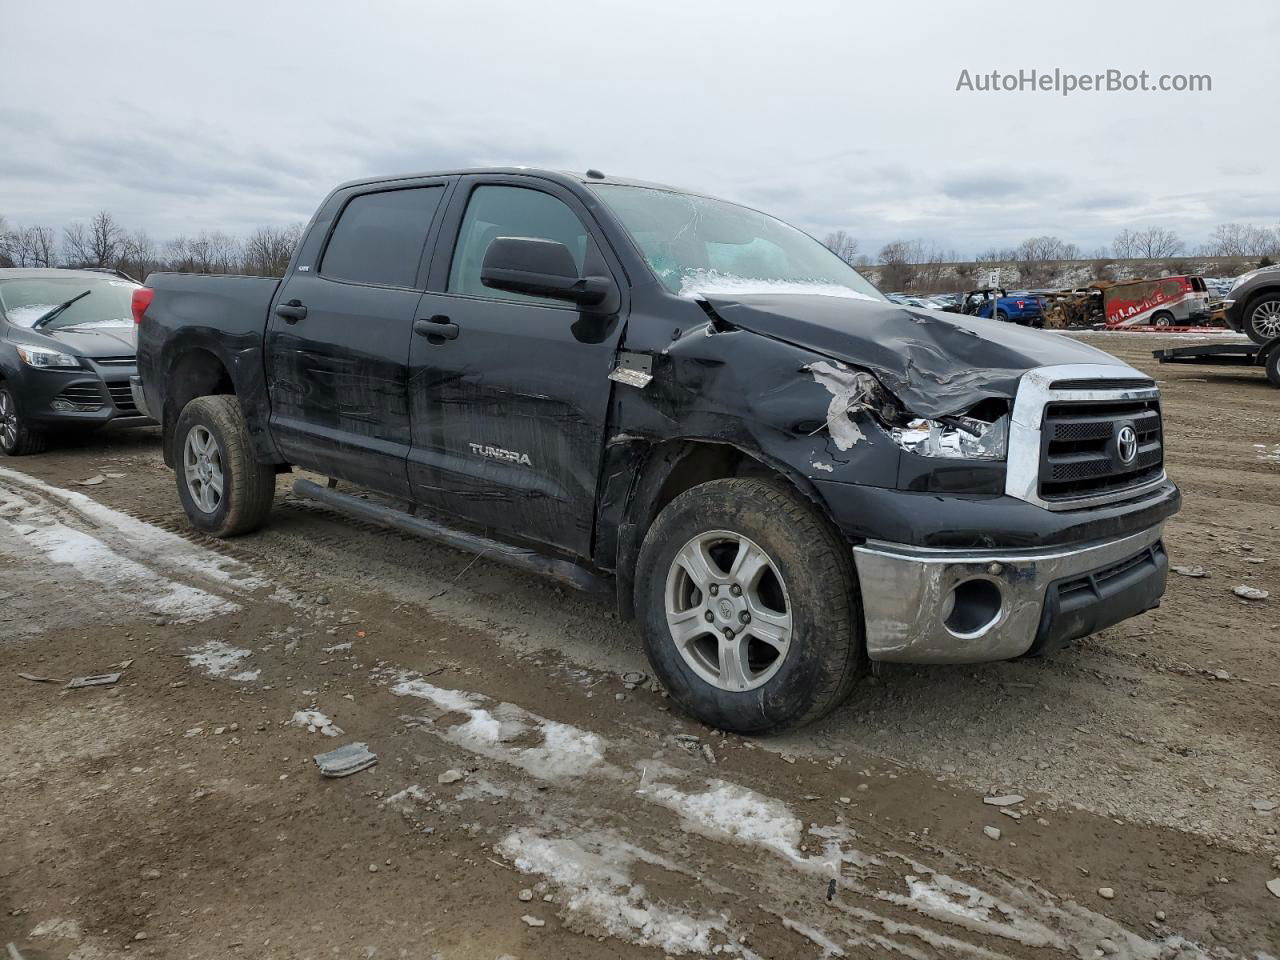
{"points": [[181, 117]]}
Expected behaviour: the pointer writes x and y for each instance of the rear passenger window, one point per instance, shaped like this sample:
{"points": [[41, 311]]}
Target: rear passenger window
{"points": [[380, 236], [510, 212]]}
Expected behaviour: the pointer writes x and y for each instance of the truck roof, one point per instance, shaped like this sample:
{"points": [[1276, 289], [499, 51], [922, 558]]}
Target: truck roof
{"points": [[567, 177]]}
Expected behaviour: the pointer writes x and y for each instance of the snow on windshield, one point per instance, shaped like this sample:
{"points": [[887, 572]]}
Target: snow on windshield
{"points": [[697, 283], [28, 313]]}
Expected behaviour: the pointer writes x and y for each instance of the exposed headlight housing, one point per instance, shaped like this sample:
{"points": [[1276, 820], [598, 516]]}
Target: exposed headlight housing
{"points": [[46, 358], [955, 438]]}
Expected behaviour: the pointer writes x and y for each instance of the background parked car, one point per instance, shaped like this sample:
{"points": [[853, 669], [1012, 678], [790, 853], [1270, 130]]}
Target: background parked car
{"points": [[1253, 304], [67, 350], [1022, 307]]}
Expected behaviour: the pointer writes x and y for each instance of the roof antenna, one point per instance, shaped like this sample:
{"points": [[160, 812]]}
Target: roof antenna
{"points": [[595, 174]]}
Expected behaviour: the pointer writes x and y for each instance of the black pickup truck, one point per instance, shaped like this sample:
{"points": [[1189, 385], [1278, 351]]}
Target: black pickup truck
{"points": [[684, 402]]}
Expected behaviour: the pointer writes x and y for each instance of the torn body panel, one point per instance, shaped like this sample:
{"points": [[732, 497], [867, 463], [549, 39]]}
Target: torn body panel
{"points": [[935, 363]]}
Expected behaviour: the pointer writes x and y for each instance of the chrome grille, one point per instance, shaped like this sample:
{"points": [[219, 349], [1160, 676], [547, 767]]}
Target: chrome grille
{"points": [[115, 361], [122, 397], [1080, 455], [83, 393], [1065, 432]]}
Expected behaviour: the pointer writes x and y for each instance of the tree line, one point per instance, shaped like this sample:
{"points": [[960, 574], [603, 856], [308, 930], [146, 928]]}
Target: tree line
{"points": [[105, 242], [915, 263]]}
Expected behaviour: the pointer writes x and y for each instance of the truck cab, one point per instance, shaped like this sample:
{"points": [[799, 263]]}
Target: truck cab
{"points": [[685, 403]]}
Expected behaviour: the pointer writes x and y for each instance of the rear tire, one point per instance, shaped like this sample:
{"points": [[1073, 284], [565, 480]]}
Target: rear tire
{"points": [[225, 491], [794, 584], [1162, 318], [1262, 317], [1273, 366], [17, 439]]}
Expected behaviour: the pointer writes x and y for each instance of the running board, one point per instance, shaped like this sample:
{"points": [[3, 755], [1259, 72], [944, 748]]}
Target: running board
{"points": [[521, 557]]}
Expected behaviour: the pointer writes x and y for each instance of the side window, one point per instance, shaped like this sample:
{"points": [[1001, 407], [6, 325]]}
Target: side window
{"points": [[496, 211], [380, 236]]}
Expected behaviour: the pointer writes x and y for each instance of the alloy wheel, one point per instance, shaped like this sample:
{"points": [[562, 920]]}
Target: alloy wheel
{"points": [[728, 611], [8, 421], [1266, 319], [202, 466]]}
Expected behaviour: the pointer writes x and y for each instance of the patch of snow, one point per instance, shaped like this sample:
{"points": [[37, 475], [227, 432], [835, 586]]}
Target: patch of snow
{"points": [[125, 579], [729, 811], [703, 282], [246, 676], [565, 751], [593, 872], [819, 465], [829, 948], [217, 658], [338, 647], [154, 544], [313, 721]]}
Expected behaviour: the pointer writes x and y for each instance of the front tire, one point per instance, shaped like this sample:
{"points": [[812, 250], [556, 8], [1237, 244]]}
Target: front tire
{"points": [[1262, 317], [17, 439], [749, 606], [224, 490]]}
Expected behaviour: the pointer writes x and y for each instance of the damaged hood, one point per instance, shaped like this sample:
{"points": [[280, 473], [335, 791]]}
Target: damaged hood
{"points": [[935, 363]]}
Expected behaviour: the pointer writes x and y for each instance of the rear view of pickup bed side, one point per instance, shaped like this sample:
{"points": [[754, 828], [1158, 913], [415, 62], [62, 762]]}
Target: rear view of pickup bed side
{"points": [[687, 403]]}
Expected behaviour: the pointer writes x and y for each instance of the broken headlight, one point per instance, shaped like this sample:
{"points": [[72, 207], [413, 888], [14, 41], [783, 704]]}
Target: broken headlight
{"points": [[956, 438]]}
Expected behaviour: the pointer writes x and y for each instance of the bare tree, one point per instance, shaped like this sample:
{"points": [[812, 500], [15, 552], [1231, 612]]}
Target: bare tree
{"points": [[1157, 243], [898, 265], [268, 249], [105, 239], [1125, 245], [6, 243], [842, 245], [1242, 240], [76, 248], [41, 242], [138, 255], [1036, 254]]}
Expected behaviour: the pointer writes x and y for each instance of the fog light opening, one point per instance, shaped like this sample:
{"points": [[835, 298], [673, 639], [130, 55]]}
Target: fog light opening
{"points": [[972, 607]]}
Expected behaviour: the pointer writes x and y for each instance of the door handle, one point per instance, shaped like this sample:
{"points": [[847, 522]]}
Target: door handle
{"points": [[438, 329], [291, 312]]}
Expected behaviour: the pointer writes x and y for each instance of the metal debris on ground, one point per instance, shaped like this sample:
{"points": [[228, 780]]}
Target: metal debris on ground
{"points": [[1007, 800], [634, 677], [1190, 571], [34, 679], [92, 481], [101, 680], [346, 760], [1250, 593]]}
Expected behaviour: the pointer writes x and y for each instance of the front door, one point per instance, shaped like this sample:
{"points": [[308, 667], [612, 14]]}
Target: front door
{"points": [[337, 349], [509, 399]]}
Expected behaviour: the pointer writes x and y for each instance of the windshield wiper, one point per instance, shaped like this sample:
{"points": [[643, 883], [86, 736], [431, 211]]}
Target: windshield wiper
{"points": [[50, 314]]}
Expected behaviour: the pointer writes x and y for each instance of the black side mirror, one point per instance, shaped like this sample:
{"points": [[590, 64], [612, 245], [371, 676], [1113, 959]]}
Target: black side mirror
{"points": [[544, 268]]}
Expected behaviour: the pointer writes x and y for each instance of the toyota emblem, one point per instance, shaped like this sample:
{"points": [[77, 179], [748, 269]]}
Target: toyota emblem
{"points": [[1127, 444]]}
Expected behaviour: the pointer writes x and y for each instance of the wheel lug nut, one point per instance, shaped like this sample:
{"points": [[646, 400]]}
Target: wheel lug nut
{"points": [[715, 589], [708, 616], [736, 590], [728, 634], [744, 617]]}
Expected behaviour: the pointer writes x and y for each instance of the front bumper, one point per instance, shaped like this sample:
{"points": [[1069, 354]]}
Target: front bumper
{"points": [[926, 605], [80, 398]]}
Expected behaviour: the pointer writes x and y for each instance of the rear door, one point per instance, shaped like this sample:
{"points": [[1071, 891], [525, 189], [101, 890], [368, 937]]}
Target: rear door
{"points": [[337, 346], [509, 410]]}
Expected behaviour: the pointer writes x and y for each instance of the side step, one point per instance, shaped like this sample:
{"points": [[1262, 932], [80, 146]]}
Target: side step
{"points": [[525, 559]]}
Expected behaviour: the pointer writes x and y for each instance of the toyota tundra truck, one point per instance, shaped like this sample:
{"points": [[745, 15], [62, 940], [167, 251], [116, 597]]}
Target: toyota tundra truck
{"points": [[683, 403]]}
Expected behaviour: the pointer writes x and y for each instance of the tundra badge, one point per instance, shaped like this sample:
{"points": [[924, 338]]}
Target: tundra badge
{"points": [[497, 453]]}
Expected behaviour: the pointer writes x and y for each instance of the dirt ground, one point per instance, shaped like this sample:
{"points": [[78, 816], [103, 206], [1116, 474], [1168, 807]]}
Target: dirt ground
{"points": [[528, 803]]}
